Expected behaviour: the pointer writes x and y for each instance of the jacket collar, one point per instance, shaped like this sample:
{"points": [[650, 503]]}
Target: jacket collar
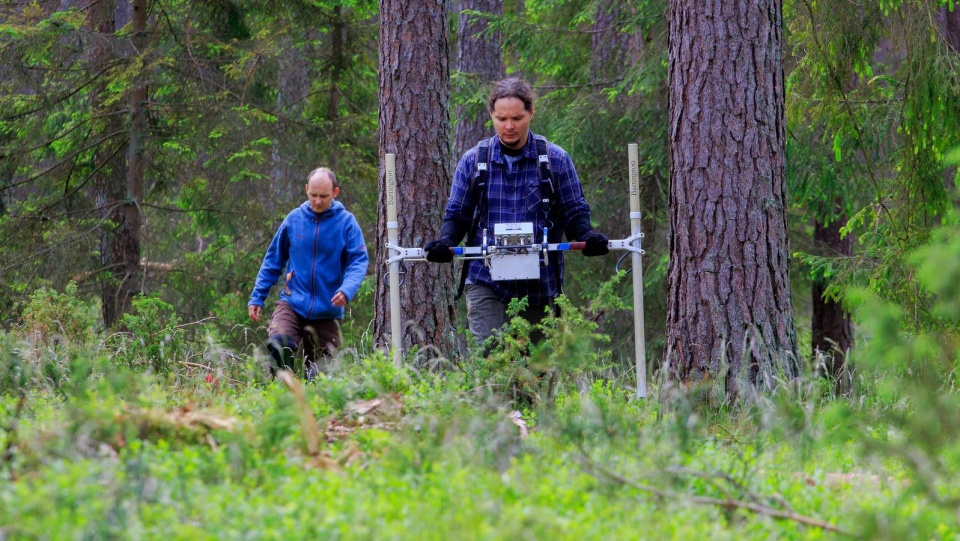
{"points": [[335, 207], [529, 149]]}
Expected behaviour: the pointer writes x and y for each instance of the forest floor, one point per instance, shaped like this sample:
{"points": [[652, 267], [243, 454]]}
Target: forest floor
{"points": [[373, 452]]}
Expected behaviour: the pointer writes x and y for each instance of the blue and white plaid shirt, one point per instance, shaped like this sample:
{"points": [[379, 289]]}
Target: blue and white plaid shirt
{"points": [[513, 195]]}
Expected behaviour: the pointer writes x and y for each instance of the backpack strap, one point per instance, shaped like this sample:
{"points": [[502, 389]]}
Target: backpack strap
{"points": [[478, 188], [481, 175], [547, 194], [546, 176]]}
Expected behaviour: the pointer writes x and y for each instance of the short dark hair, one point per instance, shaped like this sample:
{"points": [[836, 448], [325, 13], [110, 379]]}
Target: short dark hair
{"points": [[513, 87], [325, 171]]}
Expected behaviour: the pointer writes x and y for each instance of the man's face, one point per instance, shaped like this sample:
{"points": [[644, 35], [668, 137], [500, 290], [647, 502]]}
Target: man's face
{"points": [[511, 121], [320, 192]]}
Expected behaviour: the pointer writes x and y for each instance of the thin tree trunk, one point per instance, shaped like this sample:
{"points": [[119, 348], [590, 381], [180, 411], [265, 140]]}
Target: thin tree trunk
{"points": [[121, 170], [730, 313], [110, 170], [129, 241], [831, 326], [338, 64], [415, 126], [611, 49], [288, 174], [950, 25], [479, 60]]}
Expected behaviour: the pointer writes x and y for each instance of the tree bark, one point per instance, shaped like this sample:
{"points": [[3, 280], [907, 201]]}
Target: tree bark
{"points": [[129, 241], [611, 49], [831, 326], [110, 176], [730, 313], [288, 172], [950, 26], [479, 60], [415, 126], [119, 182]]}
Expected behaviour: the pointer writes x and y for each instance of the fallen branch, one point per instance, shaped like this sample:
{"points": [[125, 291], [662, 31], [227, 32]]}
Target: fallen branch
{"points": [[211, 370], [592, 468], [712, 479]]}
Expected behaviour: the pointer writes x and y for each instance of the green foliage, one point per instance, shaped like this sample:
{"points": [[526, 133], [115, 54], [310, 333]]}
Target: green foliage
{"points": [[531, 363], [872, 112], [109, 447], [913, 418], [410, 455], [234, 90], [150, 336], [358, 316], [51, 317]]}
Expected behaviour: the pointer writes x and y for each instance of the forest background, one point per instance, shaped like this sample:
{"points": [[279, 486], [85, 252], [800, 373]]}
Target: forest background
{"points": [[152, 148]]}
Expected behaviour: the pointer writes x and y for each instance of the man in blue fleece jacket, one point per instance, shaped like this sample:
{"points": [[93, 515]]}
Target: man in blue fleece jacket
{"points": [[320, 248]]}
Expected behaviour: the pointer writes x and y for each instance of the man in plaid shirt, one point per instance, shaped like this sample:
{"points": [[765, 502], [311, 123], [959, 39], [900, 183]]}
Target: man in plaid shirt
{"points": [[513, 195]]}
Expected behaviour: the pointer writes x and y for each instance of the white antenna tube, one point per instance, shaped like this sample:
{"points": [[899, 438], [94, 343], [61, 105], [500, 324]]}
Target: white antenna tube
{"points": [[638, 333], [392, 237]]}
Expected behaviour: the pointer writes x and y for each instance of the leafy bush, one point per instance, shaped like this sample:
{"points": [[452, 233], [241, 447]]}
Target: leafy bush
{"points": [[52, 318], [909, 409], [150, 336], [528, 362]]}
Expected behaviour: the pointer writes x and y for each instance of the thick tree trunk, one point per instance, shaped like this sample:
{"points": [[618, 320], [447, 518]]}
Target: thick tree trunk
{"points": [[479, 60], [415, 126], [831, 326], [730, 314]]}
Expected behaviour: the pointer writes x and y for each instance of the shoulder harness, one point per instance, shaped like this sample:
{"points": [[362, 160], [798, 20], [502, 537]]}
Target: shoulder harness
{"points": [[478, 187]]}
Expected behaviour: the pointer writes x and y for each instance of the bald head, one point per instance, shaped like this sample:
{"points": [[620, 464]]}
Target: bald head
{"points": [[321, 189], [322, 173]]}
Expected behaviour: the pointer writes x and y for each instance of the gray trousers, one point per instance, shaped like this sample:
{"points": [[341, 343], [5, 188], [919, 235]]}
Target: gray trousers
{"points": [[486, 313]]}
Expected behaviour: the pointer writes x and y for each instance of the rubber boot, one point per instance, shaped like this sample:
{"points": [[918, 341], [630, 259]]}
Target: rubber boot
{"points": [[281, 348]]}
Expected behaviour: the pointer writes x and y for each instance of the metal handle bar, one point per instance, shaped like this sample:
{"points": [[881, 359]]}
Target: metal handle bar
{"points": [[476, 252]]}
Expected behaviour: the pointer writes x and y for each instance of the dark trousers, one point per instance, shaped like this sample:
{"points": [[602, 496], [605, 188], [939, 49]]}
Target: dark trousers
{"points": [[486, 313], [288, 331]]}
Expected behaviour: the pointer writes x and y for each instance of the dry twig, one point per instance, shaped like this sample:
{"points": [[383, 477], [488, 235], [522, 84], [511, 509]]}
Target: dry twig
{"points": [[590, 467]]}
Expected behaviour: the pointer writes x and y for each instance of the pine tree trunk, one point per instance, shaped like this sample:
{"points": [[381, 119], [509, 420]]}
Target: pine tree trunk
{"points": [[119, 181], [831, 326], [287, 176], [950, 25], [612, 50], [110, 178], [415, 126], [730, 314], [479, 60]]}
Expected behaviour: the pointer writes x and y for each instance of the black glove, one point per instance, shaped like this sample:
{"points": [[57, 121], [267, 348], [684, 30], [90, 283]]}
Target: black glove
{"points": [[596, 244], [438, 251]]}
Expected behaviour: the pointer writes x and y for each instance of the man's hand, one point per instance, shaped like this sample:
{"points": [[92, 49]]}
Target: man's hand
{"points": [[339, 300], [254, 312], [438, 251], [596, 244]]}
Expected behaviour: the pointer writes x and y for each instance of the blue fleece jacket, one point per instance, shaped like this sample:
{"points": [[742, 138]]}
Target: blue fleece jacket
{"points": [[318, 255]]}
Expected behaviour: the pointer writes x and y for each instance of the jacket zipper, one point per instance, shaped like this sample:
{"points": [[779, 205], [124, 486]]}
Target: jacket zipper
{"points": [[313, 270]]}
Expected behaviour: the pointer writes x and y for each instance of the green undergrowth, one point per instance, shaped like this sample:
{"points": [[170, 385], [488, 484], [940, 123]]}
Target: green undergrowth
{"points": [[163, 434], [116, 453]]}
